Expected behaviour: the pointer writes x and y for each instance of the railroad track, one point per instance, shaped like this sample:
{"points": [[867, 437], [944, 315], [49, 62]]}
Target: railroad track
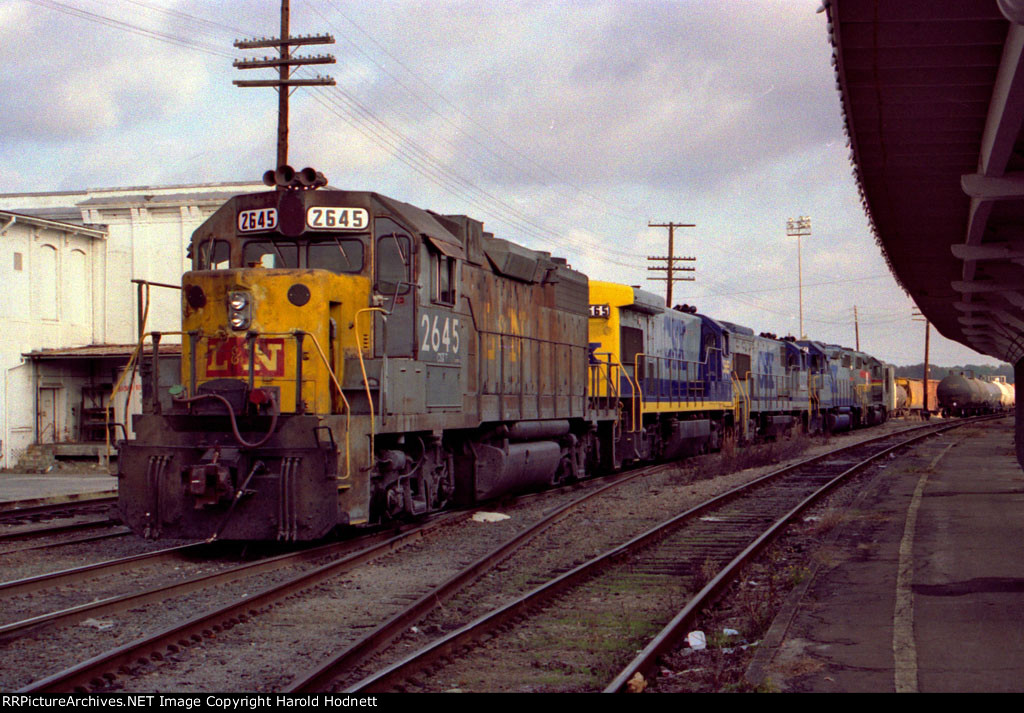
{"points": [[63, 506], [81, 539], [113, 669], [666, 563], [67, 514], [97, 673]]}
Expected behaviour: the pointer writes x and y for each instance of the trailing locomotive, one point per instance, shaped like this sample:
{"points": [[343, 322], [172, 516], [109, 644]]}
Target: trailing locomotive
{"points": [[348, 358], [687, 382]]}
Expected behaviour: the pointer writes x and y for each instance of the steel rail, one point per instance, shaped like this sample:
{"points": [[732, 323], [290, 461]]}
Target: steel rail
{"points": [[377, 640], [666, 639], [19, 508], [44, 530], [89, 571], [119, 532], [454, 641], [162, 593], [98, 670]]}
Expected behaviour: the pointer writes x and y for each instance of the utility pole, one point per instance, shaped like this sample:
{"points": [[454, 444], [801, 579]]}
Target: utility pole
{"points": [[284, 43], [927, 335], [799, 228], [670, 260], [856, 327]]}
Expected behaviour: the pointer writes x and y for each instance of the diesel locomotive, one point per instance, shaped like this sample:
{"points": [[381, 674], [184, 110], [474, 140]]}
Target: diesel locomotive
{"points": [[347, 358]]}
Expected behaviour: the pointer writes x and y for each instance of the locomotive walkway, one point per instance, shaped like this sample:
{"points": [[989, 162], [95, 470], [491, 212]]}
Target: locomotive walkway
{"points": [[922, 589]]}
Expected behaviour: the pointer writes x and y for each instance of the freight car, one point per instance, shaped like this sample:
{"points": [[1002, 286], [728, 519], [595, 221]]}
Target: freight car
{"points": [[913, 401], [348, 358], [1007, 392], [963, 394]]}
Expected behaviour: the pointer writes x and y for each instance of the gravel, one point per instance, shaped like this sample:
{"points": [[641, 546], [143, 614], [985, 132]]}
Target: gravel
{"points": [[270, 650]]}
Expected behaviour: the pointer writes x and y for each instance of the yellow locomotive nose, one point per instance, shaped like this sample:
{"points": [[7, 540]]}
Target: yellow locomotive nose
{"points": [[244, 324]]}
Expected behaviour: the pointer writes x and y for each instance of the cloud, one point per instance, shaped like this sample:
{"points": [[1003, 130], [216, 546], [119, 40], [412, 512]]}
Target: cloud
{"points": [[565, 126], [58, 92], [656, 93]]}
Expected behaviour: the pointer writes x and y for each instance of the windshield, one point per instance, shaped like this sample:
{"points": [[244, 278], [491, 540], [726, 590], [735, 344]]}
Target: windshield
{"points": [[214, 255], [336, 255], [270, 254]]}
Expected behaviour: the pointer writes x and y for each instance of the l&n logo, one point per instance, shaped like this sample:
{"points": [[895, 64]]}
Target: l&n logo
{"points": [[230, 357]]}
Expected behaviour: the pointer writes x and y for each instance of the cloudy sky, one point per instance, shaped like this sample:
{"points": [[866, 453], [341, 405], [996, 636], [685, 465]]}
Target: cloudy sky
{"points": [[565, 126]]}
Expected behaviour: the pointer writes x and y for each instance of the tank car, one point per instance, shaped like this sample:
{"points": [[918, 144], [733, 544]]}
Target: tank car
{"points": [[1006, 392], [348, 358], [962, 394], [915, 392], [903, 397]]}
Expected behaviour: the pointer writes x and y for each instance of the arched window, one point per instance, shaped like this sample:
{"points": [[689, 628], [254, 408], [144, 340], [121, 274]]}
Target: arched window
{"points": [[44, 283]]}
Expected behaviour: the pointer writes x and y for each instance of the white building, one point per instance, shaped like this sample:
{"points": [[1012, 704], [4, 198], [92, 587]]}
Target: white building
{"points": [[68, 303]]}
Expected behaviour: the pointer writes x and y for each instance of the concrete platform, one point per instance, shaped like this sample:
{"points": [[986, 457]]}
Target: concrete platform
{"points": [[56, 486], [923, 589]]}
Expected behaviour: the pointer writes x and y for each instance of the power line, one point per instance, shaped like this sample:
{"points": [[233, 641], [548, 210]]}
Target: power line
{"points": [[577, 191], [403, 148]]}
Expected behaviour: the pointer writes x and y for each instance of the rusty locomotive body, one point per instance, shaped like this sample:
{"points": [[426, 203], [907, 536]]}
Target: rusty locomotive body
{"points": [[348, 358]]}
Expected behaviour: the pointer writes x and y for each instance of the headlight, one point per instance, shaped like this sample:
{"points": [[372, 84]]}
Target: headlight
{"points": [[238, 301], [239, 310]]}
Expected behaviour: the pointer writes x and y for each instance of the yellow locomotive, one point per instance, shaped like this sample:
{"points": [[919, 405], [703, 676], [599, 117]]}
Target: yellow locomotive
{"points": [[349, 358]]}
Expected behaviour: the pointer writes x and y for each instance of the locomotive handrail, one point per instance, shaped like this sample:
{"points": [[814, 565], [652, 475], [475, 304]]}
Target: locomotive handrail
{"points": [[595, 369], [813, 393], [128, 368], [615, 382], [705, 362], [656, 362], [144, 312], [295, 334], [131, 362], [480, 333], [348, 409], [742, 391], [366, 382]]}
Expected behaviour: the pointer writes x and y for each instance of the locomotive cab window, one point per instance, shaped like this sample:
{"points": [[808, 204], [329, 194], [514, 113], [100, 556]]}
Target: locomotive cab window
{"points": [[214, 255], [270, 254], [444, 278], [394, 257], [336, 254], [741, 366]]}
